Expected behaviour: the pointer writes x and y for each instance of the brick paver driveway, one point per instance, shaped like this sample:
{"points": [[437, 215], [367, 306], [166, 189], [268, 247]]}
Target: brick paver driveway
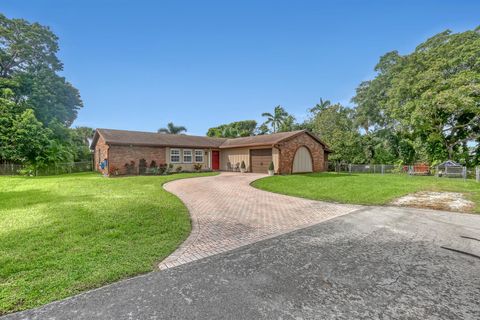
{"points": [[228, 213]]}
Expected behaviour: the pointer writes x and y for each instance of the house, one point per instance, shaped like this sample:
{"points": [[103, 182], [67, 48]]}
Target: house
{"points": [[291, 152]]}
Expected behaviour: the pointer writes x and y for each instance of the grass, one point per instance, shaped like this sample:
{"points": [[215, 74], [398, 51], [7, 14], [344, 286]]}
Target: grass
{"points": [[65, 234], [368, 189]]}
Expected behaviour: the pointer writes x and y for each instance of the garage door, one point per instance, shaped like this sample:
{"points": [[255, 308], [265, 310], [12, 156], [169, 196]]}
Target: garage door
{"points": [[302, 161], [260, 160]]}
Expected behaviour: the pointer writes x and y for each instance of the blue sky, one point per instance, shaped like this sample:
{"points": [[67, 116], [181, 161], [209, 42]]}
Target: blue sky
{"points": [[141, 64]]}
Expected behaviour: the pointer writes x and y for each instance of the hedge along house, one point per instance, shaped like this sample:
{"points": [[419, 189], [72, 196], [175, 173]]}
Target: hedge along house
{"points": [[290, 152]]}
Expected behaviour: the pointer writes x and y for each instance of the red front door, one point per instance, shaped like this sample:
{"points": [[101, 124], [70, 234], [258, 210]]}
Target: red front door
{"points": [[215, 160]]}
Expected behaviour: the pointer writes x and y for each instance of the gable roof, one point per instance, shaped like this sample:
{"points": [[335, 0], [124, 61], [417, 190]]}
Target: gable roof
{"points": [[260, 140], [153, 139]]}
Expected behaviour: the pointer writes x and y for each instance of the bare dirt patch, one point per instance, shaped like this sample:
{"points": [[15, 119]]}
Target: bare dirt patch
{"points": [[450, 201]]}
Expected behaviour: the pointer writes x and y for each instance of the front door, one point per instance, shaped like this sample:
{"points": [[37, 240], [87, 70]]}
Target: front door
{"points": [[215, 159]]}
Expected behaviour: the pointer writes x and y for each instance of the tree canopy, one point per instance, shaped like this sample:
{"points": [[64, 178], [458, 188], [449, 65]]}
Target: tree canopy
{"points": [[429, 99], [37, 105], [236, 129]]}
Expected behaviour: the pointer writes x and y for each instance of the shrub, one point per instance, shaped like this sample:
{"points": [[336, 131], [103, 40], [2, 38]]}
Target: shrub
{"points": [[271, 166], [162, 168], [142, 166], [168, 168], [178, 169], [130, 167], [153, 164], [113, 171], [242, 165], [197, 167]]}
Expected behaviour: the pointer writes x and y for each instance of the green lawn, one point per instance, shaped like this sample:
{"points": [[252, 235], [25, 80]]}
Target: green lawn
{"points": [[369, 189], [64, 234]]}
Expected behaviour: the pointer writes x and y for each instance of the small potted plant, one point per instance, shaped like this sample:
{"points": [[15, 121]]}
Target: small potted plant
{"points": [[243, 167], [271, 169], [197, 167]]}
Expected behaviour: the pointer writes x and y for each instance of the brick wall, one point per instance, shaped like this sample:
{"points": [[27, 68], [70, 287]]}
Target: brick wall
{"points": [[120, 155], [100, 153], [289, 148]]}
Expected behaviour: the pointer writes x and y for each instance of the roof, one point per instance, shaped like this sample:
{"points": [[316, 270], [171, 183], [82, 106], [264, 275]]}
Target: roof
{"points": [[449, 163], [153, 139], [261, 140]]}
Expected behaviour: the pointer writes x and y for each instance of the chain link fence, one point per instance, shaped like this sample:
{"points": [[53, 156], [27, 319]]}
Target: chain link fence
{"points": [[10, 169], [417, 169], [367, 168]]}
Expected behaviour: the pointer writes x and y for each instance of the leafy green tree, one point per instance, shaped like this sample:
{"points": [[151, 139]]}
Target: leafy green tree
{"points": [[81, 138], [36, 104], [172, 129], [429, 97], [50, 96], [243, 128], [288, 124], [30, 139], [26, 46], [276, 118], [8, 113], [334, 124], [262, 129]]}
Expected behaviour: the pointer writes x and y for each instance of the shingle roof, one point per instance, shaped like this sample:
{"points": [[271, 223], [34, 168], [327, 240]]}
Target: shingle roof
{"points": [[266, 139], [124, 137]]}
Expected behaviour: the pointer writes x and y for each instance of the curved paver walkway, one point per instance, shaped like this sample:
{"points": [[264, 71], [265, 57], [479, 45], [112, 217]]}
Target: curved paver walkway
{"points": [[228, 213]]}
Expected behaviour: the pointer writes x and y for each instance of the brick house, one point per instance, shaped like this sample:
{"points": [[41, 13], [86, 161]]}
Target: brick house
{"points": [[290, 152]]}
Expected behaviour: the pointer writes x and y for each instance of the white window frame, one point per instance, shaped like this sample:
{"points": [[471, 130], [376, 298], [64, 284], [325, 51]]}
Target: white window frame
{"points": [[191, 155], [179, 155], [195, 155]]}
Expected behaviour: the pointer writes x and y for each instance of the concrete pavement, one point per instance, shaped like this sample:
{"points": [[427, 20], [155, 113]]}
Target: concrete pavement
{"points": [[375, 263]]}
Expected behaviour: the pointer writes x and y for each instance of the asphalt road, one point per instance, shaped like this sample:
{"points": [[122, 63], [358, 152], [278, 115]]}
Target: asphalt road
{"points": [[377, 263]]}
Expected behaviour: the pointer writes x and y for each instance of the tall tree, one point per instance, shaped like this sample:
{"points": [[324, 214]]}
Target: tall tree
{"points": [[320, 106], [430, 97], [243, 128], [334, 124], [288, 124], [26, 46], [172, 129], [36, 105], [276, 118], [50, 96]]}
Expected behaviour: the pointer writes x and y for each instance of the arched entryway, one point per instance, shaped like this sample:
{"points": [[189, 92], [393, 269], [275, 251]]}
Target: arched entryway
{"points": [[302, 161]]}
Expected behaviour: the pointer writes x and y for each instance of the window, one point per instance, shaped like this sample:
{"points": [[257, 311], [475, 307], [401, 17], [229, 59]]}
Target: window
{"points": [[199, 156], [174, 155], [187, 156]]}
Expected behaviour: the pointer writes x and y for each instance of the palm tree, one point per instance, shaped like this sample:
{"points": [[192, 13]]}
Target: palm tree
{"points": [[323, 104], [277, 118], [172, 129]]}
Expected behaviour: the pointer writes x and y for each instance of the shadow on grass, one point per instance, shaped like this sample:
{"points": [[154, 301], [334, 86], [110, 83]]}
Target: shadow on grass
{"points": [[20, 199]]}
